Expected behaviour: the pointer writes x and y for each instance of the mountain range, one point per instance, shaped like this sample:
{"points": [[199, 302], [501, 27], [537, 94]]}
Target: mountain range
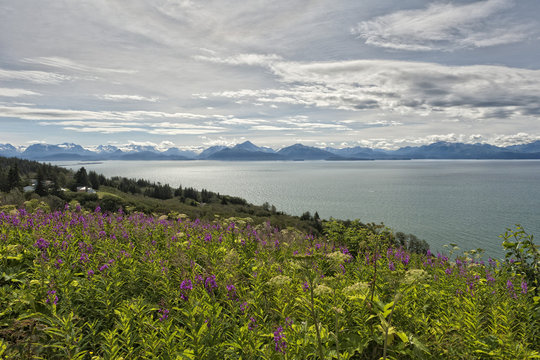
{"points": [[247, 151]]}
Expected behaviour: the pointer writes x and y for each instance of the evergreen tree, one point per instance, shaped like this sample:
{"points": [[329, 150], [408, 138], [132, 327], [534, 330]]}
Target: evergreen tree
{"points": [[93, 178], [14, 179], [81, 177], [4, 181], [40, 186]]}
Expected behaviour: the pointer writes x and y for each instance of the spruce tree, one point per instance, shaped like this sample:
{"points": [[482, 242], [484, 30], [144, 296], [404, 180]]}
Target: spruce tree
{"points": [[14, 179], [40, 187]]}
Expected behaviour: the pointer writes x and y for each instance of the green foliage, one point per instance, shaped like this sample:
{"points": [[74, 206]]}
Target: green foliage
{"points": [[522, 255], [79, 284]]}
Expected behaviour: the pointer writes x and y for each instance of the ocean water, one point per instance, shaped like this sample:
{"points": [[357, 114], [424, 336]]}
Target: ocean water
{"points": [[467, 202]]}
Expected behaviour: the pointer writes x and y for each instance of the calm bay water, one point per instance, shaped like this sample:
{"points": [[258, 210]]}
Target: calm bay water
{"points": [[467, 202]]}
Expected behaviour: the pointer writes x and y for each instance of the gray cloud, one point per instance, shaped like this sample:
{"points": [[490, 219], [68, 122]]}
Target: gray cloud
{"points": [[68, 64], [10, 92], [474, 92], [272, 72], [119, 97], [38, 77], [446, 26]]}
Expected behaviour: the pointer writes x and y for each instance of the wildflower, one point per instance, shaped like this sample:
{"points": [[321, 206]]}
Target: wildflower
{"points": [[288, 322], [210, 283], [186, 285], [279, 340], [391, 266], [50, 298], [405, 259], [524, 287], [231, 292], [252, 323], [305, 286], [104, 267], [510, 285], [90, 273], [58, 263], [164, 314], [243, 307], [42, 244], [448, 271]]}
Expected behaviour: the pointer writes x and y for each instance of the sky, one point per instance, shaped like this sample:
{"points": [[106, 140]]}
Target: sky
{"points": [[192, 74]]}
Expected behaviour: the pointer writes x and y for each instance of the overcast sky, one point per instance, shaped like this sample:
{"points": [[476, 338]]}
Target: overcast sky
{"points": [[188, 73]]}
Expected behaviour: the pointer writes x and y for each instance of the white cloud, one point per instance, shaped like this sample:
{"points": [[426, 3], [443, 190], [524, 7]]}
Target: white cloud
{"points": [[445, 26], [403, 87], [220, 141], [68, 64], [38, 77], [238, 121], [119, 97], [9, 92], [28, 113], [243, 59]]}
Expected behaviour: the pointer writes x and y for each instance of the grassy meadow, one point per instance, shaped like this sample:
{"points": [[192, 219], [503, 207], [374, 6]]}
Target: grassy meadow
{"points": [[79, 284]]}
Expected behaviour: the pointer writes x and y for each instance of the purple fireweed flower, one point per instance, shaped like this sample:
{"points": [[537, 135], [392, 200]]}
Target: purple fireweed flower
{"points": [[98, 209], [207, 237], [84, 258], [90, 273], [104, 267], [42, 244], [243, 307], [164, 314], [524, 288], [288, 321], [389, 252], [210, 283], [279, 340], [252, 323], [391, 266], [490, 279], [448, 271], [58, 263], [186, 285], [305, 286], [231, 292], [52, 297], [510, 285], [405, 259], [342, 268]]}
